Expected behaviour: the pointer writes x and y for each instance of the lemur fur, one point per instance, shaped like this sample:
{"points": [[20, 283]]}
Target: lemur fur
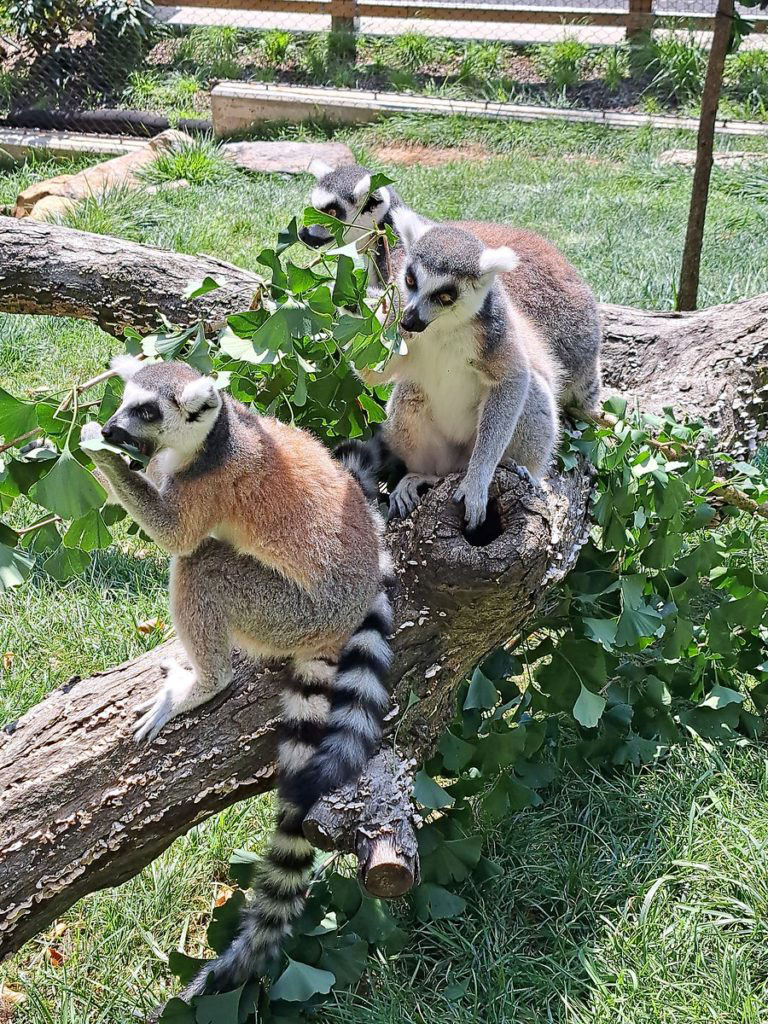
{"points": [[275, 551], [477, 385], [543, 285]]}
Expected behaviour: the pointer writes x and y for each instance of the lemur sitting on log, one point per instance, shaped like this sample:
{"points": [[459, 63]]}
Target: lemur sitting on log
{"points": [[277, 551], [542, 285], [478, 385]]}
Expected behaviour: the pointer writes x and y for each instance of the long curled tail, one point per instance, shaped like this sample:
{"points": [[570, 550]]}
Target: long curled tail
{"points": [[332, 723]]}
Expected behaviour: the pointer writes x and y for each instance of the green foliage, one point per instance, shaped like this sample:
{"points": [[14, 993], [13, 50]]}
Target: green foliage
{"points": [[561, 63], [410, 51], [480, 61], [174, 95], [613, 64], [200, 161], [746, 80], [678, 63], [210, 52], [47, 24], [275, 46]]}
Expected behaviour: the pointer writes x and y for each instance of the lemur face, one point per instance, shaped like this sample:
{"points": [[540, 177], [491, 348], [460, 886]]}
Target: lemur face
{"points": [[165, 405], [447, 273], [346, 195]]}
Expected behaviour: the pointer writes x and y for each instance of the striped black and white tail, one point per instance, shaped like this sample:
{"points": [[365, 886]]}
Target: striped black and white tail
{"points": [[364, 460], [332, 724]]}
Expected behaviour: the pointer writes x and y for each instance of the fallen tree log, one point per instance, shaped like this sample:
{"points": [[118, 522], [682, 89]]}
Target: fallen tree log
{"points": [[713, 364], [82, 807]]}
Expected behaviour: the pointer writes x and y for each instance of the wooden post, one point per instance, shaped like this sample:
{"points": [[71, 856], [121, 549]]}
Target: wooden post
{"points": [[344, 27], [638, 32], [710, 98]]}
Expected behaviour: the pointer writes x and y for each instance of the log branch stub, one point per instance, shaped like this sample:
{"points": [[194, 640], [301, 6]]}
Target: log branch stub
{"points": [[374, 819]]}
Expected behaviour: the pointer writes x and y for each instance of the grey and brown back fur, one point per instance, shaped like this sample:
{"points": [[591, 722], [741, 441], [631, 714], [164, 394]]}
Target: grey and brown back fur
{"points": [[544, 286]]}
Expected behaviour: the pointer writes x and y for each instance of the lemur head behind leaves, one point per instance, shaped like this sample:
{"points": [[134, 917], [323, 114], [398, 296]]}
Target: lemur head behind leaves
{"points": [[345, 193], [447, 274], [165, 406]]}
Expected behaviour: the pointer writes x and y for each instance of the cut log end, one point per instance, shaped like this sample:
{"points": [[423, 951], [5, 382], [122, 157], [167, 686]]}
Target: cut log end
{"points": [[386, 871]]}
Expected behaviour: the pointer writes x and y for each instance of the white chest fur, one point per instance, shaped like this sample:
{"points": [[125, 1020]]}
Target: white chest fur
{"points": [[439, 361]]}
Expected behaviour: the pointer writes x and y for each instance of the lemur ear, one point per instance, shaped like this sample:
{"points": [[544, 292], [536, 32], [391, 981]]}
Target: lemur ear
{"points": [[362, 188], [200, 395], [409, 225], [319, 168], [498, 261], [125, 366]]}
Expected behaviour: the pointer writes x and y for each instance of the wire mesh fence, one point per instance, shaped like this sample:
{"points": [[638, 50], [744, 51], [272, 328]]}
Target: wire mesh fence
{"points": [[132, 55]]}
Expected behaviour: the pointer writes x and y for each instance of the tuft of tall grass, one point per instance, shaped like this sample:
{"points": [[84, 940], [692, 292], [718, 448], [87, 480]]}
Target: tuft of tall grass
{"points": [[200, 161], [612, 64], [121, 211], [561, 64], [678, 63], [410, 51], [211, 51], [481, 61]]}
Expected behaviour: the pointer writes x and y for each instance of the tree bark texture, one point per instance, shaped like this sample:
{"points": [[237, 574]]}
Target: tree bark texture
{"points": [[713, 364], [83, 807]]}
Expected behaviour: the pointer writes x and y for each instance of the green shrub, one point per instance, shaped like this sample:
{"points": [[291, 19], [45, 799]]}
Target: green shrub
{"points": [[561, 63], [678, 64], [612, 64], [746, 78], [481, 61], [275, 46], [45, 25], [211, 51]]}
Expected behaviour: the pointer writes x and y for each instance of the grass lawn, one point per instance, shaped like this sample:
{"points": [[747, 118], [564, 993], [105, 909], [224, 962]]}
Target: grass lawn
{"points": [[638, 899]]}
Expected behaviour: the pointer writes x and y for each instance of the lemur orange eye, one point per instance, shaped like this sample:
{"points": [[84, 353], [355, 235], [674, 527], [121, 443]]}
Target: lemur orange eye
{"points": [[446, 298], [332, 211], [410, 280]]}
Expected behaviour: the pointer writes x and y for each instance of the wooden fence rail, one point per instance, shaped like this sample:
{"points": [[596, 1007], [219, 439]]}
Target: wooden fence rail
{"points": [[637, 17]]}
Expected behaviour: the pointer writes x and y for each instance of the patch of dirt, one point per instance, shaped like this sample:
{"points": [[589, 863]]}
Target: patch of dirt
{"points": [[412, 154]]}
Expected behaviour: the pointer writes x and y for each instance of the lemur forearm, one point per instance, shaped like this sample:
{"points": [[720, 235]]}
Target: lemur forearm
{"points": [[498, 419], [140, 498]]}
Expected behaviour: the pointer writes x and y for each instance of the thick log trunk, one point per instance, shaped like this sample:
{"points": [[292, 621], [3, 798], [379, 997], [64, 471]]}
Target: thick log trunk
{"points": [[82, 807], [713, 364]]}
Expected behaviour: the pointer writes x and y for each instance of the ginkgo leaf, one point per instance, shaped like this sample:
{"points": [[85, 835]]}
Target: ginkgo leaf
{"points": [[68, 489], [300, 982]]}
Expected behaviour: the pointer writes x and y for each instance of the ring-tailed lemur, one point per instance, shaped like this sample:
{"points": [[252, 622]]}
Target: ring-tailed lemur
{"points": [[276, 551], [543, 285], [478, 385]]}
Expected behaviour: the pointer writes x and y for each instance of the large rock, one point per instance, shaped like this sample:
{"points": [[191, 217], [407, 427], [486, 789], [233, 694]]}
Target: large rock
{"points": [[287, 157], [47, 199]]}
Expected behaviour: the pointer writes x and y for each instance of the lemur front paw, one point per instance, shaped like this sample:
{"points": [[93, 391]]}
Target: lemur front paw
{"points": [[175, 696], [474, 494], [405, 497], [523, 473], [91, 431]]}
